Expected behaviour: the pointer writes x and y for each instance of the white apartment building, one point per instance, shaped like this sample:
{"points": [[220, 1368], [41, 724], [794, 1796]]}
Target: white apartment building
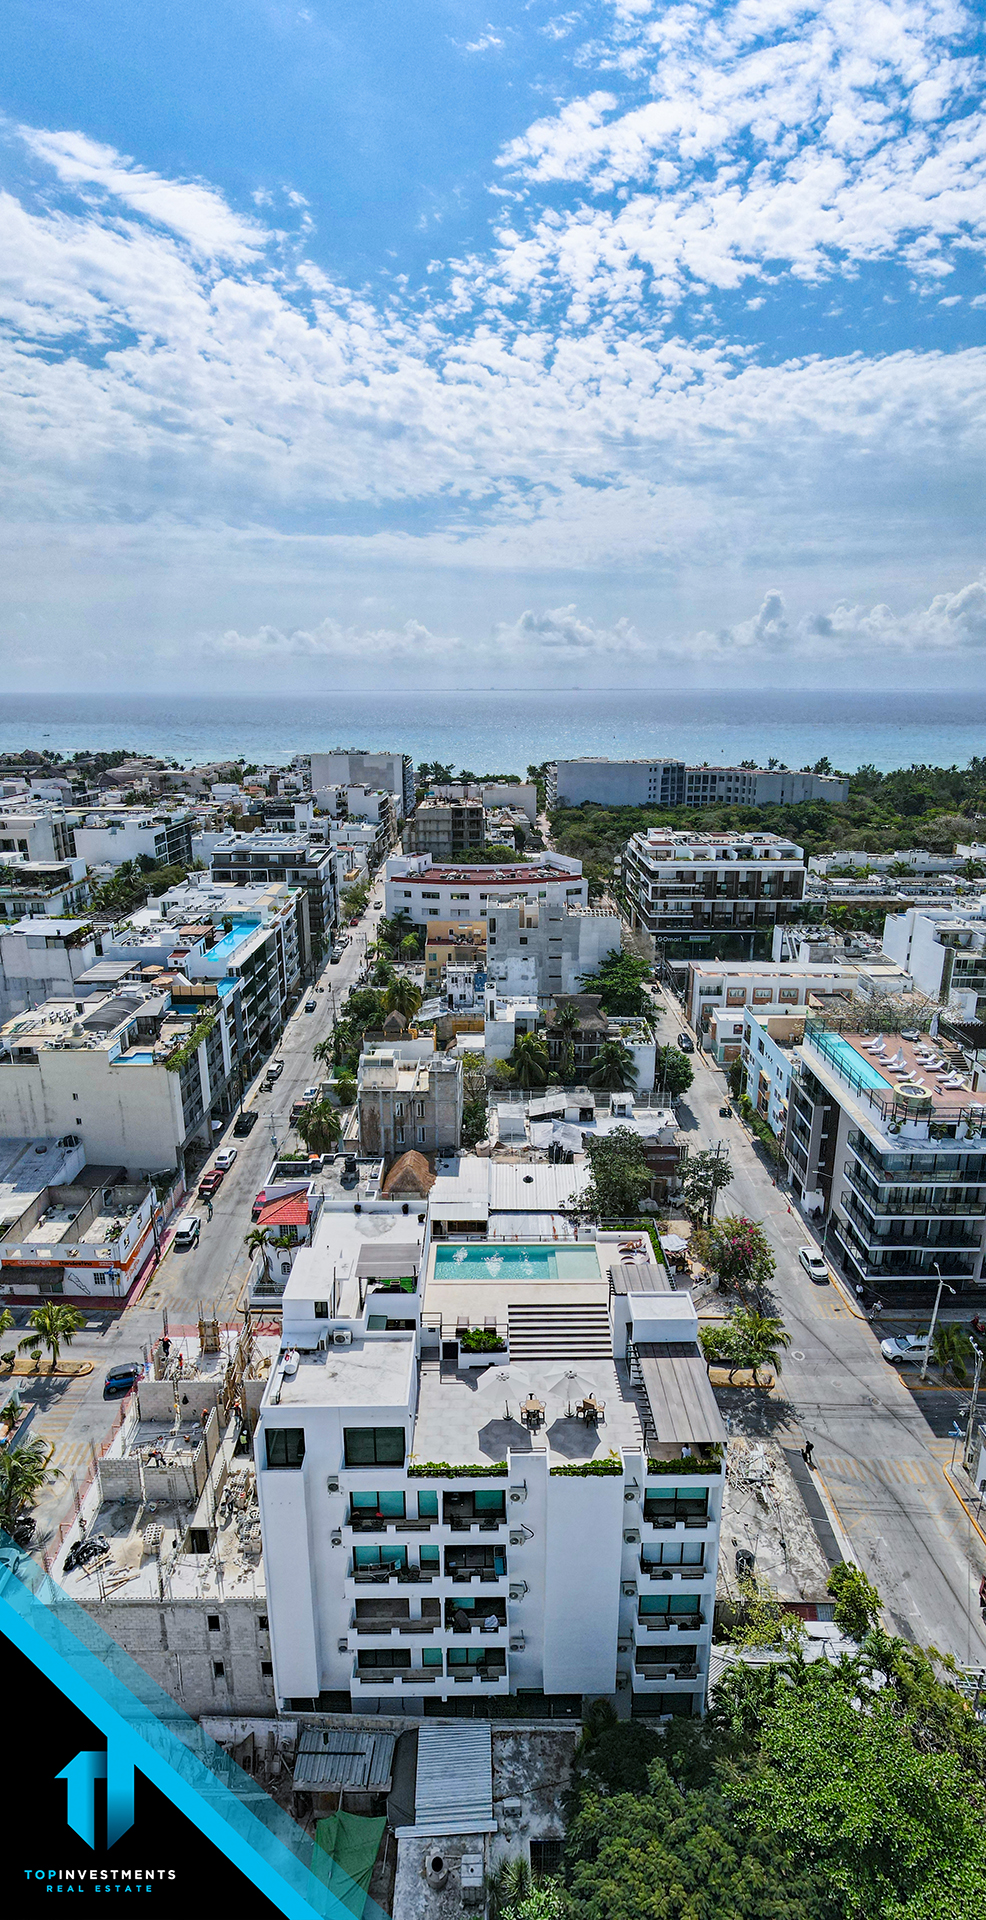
{"points": [[885, 1136], [42, 958], [922, 865], [257, 936], [769, 1042], [710, 984], [37, 832], [53, 888], [134, 1074], [439, 1525], [426, 892], [945, 953], [115, 835], [268, 858], [697, 889], [349, 768], [565, 944], [670, 783]]}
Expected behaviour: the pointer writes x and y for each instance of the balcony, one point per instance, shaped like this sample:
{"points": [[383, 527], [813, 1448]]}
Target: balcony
{"points": [[948, 1239], [922, 1206], [661, 1570], [387, 1617], [896, 1267], [465, 1564], [918, 1169], [645, 1675], [463, 1512], [669, 1621], [392, 1569], [391, 1679], [476, 1616]]}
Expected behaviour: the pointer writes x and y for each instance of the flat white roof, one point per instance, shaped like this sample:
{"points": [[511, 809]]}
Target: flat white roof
{"points": [[369, 1373]]}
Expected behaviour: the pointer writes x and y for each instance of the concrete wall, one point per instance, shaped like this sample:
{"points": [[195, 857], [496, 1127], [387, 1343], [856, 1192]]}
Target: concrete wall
{"points": [[583, 1548], [173, 1643]]}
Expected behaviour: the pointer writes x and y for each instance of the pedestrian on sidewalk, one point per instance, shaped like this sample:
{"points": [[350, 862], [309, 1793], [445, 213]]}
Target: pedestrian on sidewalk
{"points": [[806, 1453]]}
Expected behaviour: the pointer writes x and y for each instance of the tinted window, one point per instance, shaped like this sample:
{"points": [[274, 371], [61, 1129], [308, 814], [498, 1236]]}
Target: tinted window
{"points": [[374, 1446], [285, 1446]]}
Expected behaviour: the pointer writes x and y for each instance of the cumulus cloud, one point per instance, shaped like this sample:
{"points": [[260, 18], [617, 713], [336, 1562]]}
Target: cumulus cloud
{"points": [[554, 634], [952, 624]]}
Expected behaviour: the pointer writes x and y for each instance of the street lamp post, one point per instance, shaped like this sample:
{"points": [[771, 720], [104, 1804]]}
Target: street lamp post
{"points": [[931, 1331]]}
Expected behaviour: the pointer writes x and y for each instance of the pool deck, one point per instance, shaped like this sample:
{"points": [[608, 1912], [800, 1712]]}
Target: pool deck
{"points": [[472, 1292], [945, 1101]]}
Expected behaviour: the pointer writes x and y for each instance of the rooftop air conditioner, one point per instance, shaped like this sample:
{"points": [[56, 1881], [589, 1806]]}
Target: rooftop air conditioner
{"points": [[342, 1337]]}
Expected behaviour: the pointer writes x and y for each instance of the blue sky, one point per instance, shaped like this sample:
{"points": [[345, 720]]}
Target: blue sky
{"points": [[619, 344]]}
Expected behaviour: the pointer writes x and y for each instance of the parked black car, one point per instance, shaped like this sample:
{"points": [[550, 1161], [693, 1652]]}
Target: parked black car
{"points": [[243, 1123]]}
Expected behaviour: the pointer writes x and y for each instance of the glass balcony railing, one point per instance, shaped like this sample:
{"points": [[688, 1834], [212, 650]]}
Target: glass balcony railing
{"points": [[906, 1201]]}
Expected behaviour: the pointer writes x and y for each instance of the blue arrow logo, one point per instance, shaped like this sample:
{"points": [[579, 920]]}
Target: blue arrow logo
{"points": [[81, 1776]]}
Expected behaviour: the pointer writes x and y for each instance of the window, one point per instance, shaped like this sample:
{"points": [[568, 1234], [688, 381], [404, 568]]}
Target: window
{"points": [[218, 1670], [373, 1446], [321, 1309], [75, 1096], [285, 1446], [387, 1657], [198, 1540], [213, 1623], [398, 1109], [384, 1559], [399, 1135], [420, 1109], [99, 1279], [432, 896], [263, 1623], [545, 1857], [267, 1669], [389, 1504], [421, 1136], [427, 1506]]}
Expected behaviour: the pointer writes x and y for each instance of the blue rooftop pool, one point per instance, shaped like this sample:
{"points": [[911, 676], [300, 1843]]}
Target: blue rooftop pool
{"points": [[531, 1262], [851, 1064], [241, 930]]}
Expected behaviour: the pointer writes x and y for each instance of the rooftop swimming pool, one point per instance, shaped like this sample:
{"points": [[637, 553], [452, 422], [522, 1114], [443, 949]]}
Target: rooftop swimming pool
{"points": [[241, 931], [135, 1059], [532, 1262], [833, 1047]]}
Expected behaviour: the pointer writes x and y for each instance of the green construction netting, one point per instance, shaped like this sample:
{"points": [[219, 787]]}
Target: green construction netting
{"points": [[346, 1845]]}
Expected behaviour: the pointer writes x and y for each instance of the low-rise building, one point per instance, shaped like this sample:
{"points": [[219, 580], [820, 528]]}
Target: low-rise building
{"points": [[446, 829], [549, 1531], [769, 1041], [405, 1103], [36, 832], [423, 891], [731, 984], [670, 783], [86, 1240], [114, 835], [945, 953], [567, 944], [57, 889], [42, 958], [718, 891], [452, 942]]}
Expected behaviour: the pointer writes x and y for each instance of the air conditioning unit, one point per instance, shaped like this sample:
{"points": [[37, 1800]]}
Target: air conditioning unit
{"points": [[336, 1539], [623, 1646], [342, 1337], [332, 1483], [622, 1682], [342, 1643], [519, 1492], [519, 1535], [629, 1589], [517, 1643], [632, 1536], [518, 1588], [630, 1494]]}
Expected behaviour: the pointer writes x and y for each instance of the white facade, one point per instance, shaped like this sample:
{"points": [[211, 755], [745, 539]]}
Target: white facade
{"points": [[728, 983], [944, 951], [470, 892], [126, 833], [770, 1040], [391, 771], [501, 793], [36, 832], [567, 944], [41, 959], [694, 887], [670, 783], [397, 1583]]}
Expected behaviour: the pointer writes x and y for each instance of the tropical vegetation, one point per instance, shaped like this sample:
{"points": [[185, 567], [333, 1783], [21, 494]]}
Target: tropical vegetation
{"points": [[704, 1178], [739, 1252], [24, 1474], [613, 1067], [319, 1126], [54, 1327], [620, 1178], [746, 1339]]}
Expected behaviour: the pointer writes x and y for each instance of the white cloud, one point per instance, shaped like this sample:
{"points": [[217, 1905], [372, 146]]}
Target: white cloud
{"points": [[195, 212], [556, 634], [951, 625]]}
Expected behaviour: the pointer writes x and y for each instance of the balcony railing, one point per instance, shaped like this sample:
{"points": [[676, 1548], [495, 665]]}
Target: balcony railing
{"points": [[952, 1268], [923, 1206], [919, 1169], [951, 1239]]}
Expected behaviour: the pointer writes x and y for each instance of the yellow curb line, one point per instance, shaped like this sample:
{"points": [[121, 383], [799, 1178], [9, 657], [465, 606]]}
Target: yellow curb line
{"points": [[964, 1505], [830, 1502], [850, 1303]]}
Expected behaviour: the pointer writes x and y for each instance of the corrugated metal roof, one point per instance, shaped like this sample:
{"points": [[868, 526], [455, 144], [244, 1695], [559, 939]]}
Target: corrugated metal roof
{"points": [[676, 1382], [454, 1786], [377, 1260], [329, 1759], [530, 1226]]}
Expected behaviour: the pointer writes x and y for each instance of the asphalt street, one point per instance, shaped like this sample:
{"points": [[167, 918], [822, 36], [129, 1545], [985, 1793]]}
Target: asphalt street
{"points": [[880, 1446], [72, 1414]]}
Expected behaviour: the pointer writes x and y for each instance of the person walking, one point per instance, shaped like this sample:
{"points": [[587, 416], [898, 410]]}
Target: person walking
{"points": [[806, 1453]]}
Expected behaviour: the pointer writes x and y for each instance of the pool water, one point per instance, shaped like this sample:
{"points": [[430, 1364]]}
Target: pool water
{"points": [[834, 1048], [230, 941], [515, 1262]]}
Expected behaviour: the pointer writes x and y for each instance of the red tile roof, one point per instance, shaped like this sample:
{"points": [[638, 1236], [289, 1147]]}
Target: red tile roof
{"points": [[292, 1211]]}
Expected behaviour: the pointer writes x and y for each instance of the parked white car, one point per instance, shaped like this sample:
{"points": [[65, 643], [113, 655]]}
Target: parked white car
{"points": [[187, 1231], [904, 1346], [226, 1158], [812, 1262]]}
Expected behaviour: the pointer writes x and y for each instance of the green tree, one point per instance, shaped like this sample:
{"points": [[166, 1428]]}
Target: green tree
{"points": [[410, 946], [613, 1067], [673, 1072], [857, 1602], [529, 1060], [346, 1088], [258, 1240], [705, 1176], [319, 1127], [619, 982], [403, 997], [24, 1473], [55, 1326], [952, 1348], [620, 1178], [746, 1339], [322, 1051], [738, 1251]]}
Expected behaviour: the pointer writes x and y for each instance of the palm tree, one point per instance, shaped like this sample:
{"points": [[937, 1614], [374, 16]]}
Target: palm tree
{"points": [[952, 1348], [613, 1067], [529, 1060], [24, 1472], [323, 1050], [383, 972], [54, 1326], [761, 1337], [258, 1241], [403, 997], [345, 1086], [409, 946], [319, 1127]]}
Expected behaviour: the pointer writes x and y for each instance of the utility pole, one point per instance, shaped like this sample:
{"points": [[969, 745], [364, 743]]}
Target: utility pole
{"points": [[931, 1330], [972, 1403]]}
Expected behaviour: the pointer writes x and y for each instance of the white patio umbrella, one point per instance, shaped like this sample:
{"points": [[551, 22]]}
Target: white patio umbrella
{"points": [[572, 1388], [508, 1384]]}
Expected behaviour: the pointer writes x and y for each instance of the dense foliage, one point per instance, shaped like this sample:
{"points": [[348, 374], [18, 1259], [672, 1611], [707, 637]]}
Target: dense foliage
{"points": [[619, 984], [620, 1178], [810, 1792], [705, 1177], [673, 1071], [913, 806], [739, 1251]]}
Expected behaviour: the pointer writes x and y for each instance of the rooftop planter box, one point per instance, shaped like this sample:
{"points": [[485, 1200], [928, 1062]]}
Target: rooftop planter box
{"points": [[441, 1470], [590, 1470], [709, 1461]]}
